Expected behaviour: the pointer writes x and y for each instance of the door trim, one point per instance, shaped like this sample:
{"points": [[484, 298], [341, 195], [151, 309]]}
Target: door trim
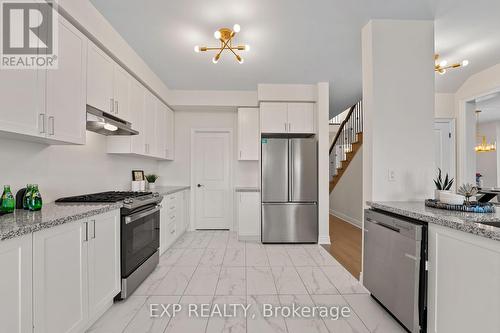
{"points": [[192, 208], [452, 123]]}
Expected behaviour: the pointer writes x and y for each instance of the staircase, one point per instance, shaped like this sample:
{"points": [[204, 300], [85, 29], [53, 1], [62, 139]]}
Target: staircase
{"points": [[346, 143]]}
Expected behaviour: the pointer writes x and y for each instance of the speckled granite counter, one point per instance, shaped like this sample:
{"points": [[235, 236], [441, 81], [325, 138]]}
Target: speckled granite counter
{"points": [[166, 190], [23, 222], [246, 189], [466, 222]]}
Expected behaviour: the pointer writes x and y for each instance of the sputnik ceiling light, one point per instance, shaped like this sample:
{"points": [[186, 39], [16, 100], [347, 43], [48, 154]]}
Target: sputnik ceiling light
{"points": [[442, 66], [484, 146], [225, 36]]}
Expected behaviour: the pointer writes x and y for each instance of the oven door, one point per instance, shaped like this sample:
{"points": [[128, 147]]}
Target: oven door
{"points": [[140, 237]]}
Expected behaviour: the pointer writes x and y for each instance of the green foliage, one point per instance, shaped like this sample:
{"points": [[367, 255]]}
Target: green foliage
{"points": [[443, 185]]}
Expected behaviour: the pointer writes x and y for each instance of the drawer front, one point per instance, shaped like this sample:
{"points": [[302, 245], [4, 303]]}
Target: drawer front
{"points": [[171, 202]]}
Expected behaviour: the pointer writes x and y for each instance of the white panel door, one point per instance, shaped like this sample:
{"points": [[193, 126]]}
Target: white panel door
{"points": [[301, 117], [248, 134], [463, 293], [60, 285], [273, 117], [66, 87], [444, 143], [121, 85], [100, 69], [248, 214], [15, 285], [103, 261], [211, 163], [137, 93], [150, 106]]}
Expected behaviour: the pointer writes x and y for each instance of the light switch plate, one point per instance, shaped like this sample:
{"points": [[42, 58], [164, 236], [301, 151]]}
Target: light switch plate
{"points": [[391, 175]]}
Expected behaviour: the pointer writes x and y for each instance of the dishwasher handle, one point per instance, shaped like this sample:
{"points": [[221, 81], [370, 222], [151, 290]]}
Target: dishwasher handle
{"points": [[383, 225]]}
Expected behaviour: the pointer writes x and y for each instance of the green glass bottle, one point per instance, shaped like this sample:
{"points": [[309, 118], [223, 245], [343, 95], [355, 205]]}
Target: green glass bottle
{"points": [[27, 196], [8, 201], [35, 201]]}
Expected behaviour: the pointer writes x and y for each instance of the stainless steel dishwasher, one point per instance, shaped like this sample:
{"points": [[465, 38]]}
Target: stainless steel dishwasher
{"points": [[395, 252]]}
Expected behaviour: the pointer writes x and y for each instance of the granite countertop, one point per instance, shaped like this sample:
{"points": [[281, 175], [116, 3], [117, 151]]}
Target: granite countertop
{"points": [[166, 190], [246, 189], [466, 222], [23, 222]]}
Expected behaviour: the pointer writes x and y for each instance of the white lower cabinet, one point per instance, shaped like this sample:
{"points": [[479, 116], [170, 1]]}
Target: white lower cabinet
{"points": [[173, 218], [463, 293], [248, 204], [15, 285], [76, 273]]}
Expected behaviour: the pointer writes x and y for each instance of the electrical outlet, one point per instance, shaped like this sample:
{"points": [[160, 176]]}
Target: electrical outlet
{"points": [[391, 175]]}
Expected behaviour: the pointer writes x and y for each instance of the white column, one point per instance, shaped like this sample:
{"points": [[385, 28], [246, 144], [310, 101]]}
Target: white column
{"points": [[398, 100], [323, 105]]}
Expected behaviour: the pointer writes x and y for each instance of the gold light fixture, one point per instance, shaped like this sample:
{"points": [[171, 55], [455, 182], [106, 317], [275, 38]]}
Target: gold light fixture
{"points": [[484, 146], [442, 66], [225, 36]]}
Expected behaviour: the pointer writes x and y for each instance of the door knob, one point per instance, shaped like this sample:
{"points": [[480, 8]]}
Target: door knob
{"points": [[199, 185]]}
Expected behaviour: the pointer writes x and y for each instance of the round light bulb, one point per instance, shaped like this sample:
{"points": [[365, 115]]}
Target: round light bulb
{"points": [[442, 72], [110, 127], [215, 60], [465, 63], [217, 34], [236, 28], [443, 63], [197, 48], [247, 47], [241, 60]]}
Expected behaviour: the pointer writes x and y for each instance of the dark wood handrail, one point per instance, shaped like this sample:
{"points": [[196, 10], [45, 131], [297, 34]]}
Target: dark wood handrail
{"points": [[351, 110]]}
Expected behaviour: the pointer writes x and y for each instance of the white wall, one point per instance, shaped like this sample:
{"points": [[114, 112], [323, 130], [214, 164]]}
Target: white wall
{"points": [[178, 172], [346, 200], [486, 162], [323, 112], [399, 109], [68, 170], [444, 106]]}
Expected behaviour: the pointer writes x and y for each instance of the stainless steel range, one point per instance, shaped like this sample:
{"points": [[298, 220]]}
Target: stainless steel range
{"points": [[140, 233]]}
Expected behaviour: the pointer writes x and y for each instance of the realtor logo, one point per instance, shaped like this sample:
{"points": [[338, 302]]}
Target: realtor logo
{"points": [[29, 35]]}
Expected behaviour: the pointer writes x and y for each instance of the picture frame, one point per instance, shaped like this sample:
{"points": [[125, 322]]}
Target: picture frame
{"points": [[138, 175]]}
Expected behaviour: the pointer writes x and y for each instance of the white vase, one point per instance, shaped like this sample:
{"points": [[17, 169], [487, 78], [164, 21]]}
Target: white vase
{"points": [[436, 194], [151, 186]]}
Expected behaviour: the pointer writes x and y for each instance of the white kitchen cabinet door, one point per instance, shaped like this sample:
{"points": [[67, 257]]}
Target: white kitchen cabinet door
{"points": [[137, 93], [301, 118], [103, 262], [66, 87], [273, 117], [161, 130], [170, 134], [121, 86], [248, 134], [463, 292], [248, 214], [149, 121], [15, 285], [23, 106], [100, 72], [60, 285]]}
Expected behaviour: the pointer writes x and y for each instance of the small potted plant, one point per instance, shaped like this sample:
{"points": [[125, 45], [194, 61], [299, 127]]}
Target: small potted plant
{"points": [[151, 178], [442, 185]]}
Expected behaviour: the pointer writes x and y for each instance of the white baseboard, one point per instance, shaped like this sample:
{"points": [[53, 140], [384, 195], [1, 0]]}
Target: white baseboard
{"points": [[324, 240], [346, 218], [252, 238]]}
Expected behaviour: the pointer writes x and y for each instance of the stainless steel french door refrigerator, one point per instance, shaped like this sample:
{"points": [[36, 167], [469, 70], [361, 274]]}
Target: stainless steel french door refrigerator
{"points": [[289, 190]]}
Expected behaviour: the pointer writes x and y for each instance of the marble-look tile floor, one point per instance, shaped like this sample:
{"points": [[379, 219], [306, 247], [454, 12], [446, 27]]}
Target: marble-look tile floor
{"points": [[213, 267]]}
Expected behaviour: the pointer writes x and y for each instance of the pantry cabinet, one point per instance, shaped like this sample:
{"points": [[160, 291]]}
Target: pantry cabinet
{"points": [[248, 207], [48, 105], [15, 285], [76, 273], [279, 117], [248, 134]]}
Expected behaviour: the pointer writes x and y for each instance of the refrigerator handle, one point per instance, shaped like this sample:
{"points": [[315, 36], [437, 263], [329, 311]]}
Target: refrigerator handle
{"points": [[290, 169]]}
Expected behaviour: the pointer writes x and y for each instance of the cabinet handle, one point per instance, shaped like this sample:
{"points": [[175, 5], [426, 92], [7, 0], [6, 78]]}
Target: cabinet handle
{"points": [[51, 125], [111, 107], [240, 154], [116, 107], [86, 231], [289, 127], [41, 123], [93, 232]]}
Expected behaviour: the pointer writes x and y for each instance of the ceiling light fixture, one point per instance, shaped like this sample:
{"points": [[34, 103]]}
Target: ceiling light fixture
{"points": [[225, 36], [484, 146], [441, 66]]}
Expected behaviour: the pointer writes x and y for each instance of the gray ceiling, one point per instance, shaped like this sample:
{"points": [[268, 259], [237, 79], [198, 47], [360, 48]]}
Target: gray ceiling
{"points": [[293, 41]]}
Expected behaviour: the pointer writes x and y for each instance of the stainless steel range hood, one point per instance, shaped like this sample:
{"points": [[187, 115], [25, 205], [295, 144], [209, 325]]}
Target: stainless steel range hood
{"points": [[106, 124]]}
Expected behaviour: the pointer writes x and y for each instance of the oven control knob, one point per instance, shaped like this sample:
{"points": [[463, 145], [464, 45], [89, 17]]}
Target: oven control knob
{"points": [[127, 201]]}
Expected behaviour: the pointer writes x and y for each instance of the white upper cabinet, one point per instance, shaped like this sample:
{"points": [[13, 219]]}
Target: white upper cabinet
{"points": [[149, 121], [161, 130], [121, 85], [287, 117], [248, 134], [273, 117], [100, 72], [16, 285], [170, 134], [301, 118], [137, 94], [66, 88]]}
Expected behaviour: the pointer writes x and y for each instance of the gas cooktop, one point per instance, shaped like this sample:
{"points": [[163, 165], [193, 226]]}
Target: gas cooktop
{"points": [[111, 196]]}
